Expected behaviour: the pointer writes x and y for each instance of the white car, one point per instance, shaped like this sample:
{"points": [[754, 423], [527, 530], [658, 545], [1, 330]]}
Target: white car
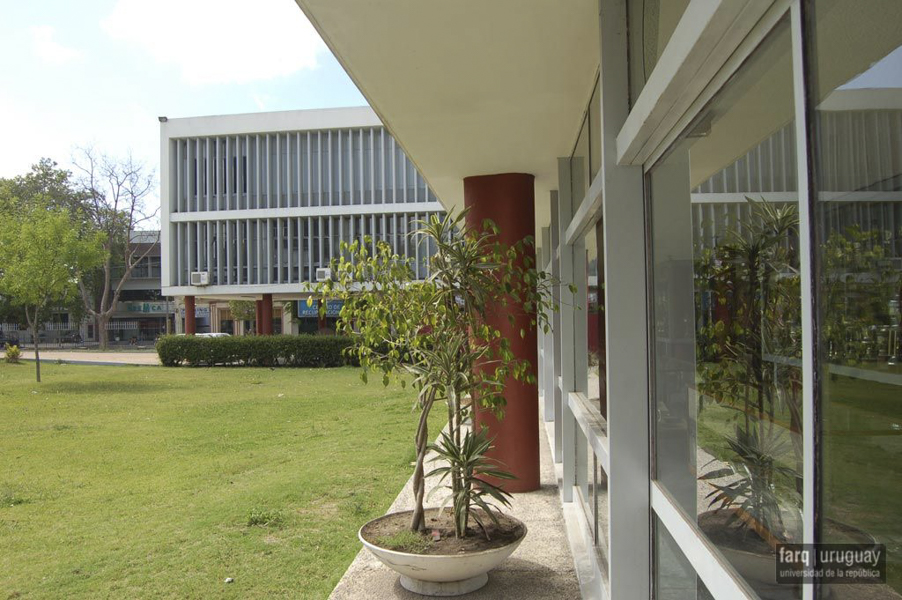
{"points": [[213, 335]]}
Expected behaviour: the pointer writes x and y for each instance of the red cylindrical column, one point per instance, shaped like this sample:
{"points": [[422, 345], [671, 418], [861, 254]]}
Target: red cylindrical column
{"points": [[258, 323], [190, 323], [266, 310], [508, 199]]}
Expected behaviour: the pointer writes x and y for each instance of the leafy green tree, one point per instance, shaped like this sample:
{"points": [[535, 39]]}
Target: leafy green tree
{"points": [[42, 255], [439, 333], [243, 310]]}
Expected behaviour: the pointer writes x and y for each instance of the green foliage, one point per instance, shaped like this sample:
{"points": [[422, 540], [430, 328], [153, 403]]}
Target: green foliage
{"points": [[42, 256], [858, 286], [469, 461], [12, 354], [757, 463], [412, 542], [243, 310], [448, 335], [255, 351], [265, 517], [753, 278]]}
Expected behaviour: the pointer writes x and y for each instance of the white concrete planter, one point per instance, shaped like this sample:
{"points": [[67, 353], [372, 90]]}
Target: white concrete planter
{"points": [[442, 574]]}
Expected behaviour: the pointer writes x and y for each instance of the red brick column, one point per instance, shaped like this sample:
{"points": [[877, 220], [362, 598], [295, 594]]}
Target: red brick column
{"points": [[190, 322], [508, 199], [258, 323], [266, 314]]}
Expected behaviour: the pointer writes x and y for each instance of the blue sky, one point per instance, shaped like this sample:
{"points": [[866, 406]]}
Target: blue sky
{"points": [[100, 73]]}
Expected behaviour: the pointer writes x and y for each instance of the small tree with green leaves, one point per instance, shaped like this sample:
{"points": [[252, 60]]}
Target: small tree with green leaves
{"points": [[242, 310], [438, 335], [42, 256]]}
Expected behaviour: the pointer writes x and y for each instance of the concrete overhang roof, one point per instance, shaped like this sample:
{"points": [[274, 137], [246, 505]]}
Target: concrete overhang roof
{"points": [[470, 87]]}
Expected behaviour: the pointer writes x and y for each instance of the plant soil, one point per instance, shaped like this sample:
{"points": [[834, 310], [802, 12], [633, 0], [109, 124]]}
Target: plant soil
{"points": [[735, 535], [507, 532]]}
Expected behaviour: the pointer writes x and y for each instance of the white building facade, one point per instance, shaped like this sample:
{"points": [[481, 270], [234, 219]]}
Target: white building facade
{"points": [[253, 205]]}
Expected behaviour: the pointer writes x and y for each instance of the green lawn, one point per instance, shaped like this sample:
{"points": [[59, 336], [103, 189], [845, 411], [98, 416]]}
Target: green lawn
{"points": [[152, 482]]}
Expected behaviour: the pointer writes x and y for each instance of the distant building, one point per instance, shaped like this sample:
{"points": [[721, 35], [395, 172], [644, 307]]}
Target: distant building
{"points": [[255, 206]]}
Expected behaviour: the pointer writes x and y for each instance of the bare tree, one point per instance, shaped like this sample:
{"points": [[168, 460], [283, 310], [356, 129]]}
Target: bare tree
{"points": [[115, 190]]}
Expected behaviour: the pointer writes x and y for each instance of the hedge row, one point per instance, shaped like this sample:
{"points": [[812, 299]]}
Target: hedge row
{"points": [[255, 351]]}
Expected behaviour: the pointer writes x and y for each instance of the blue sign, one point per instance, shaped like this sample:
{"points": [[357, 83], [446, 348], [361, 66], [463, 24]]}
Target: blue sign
{"points": [[333, 308]]}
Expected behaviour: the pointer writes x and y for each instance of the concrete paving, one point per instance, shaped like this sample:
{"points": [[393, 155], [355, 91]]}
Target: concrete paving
{"points": [[542, 567], [87, 357]]}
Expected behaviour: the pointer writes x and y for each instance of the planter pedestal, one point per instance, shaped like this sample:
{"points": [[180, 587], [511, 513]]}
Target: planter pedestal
{"points": [[444, 588]]}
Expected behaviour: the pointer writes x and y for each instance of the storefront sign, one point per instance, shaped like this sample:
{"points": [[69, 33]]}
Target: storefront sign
{"points": [[333, 308]]}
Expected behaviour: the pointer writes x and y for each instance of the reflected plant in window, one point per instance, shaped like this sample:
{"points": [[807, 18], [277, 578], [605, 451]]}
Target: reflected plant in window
{"points": [[749, 364]]}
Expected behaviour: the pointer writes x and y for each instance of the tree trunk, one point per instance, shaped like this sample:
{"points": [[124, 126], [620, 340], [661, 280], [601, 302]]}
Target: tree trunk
{"points": [[103, 336], [37, 353], [418, 519]]}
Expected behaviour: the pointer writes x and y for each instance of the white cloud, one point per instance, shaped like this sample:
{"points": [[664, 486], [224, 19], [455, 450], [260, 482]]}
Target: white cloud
{"points": [[219, 41], [48, 49]]}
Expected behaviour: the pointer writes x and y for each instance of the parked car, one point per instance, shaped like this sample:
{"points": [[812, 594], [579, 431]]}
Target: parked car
{"points": [[213, 335]]}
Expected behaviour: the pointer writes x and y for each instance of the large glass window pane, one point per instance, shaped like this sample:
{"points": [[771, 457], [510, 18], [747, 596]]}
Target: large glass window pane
{"points": [[727, 318], [651, 23], [858, 167]]}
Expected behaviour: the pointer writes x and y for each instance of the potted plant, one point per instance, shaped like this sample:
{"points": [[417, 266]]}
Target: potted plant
{"points": [[436, 336], [751, 351]]}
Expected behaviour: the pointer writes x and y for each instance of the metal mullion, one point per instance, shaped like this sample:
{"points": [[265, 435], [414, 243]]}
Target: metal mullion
{"points": [[319, 165], [361, 169], [300, 231], [310, 273], [394, 186], [179, 253], [208, 170], [198, 177], [309, 172], [383, 161], [808, 244], [372, 167], [178, 176], [278, 252], [340, 170], [257, 190], [289, 223], [319, 239], [300, 171], [403, 172]]}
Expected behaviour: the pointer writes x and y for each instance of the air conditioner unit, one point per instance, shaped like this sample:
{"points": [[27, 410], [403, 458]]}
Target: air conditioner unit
{"points": [[200, 278], [323, 274]]}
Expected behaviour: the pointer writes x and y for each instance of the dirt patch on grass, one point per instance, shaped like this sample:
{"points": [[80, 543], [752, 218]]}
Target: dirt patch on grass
{"points": [[382, 532]]}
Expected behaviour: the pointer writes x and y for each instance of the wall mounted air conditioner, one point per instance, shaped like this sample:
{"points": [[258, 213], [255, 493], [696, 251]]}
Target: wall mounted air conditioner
{"points": [[323, 274], [200, 278]]}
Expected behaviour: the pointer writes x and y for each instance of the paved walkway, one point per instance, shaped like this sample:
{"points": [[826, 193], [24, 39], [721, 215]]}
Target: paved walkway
{"points": [[87, 357], [542, 567]]}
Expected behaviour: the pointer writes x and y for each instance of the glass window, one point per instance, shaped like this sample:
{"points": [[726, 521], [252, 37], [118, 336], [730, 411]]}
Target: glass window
{"points": [[585, 160], [651, 23], [858, 214], [595, 324], [675, 579], [726, 310]]}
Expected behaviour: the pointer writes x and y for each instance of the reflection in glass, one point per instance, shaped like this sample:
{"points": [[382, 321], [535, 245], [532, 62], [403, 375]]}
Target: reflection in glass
{"points": [[651, 23], [727, 319], [675, 579], [858, 159]]}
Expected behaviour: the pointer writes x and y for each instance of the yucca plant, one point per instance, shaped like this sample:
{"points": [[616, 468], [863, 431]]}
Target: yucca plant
{"points": [[436, 334]]}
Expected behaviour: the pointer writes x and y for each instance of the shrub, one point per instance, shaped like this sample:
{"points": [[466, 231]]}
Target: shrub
{"points": [[255, 351], [13, 354]]}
